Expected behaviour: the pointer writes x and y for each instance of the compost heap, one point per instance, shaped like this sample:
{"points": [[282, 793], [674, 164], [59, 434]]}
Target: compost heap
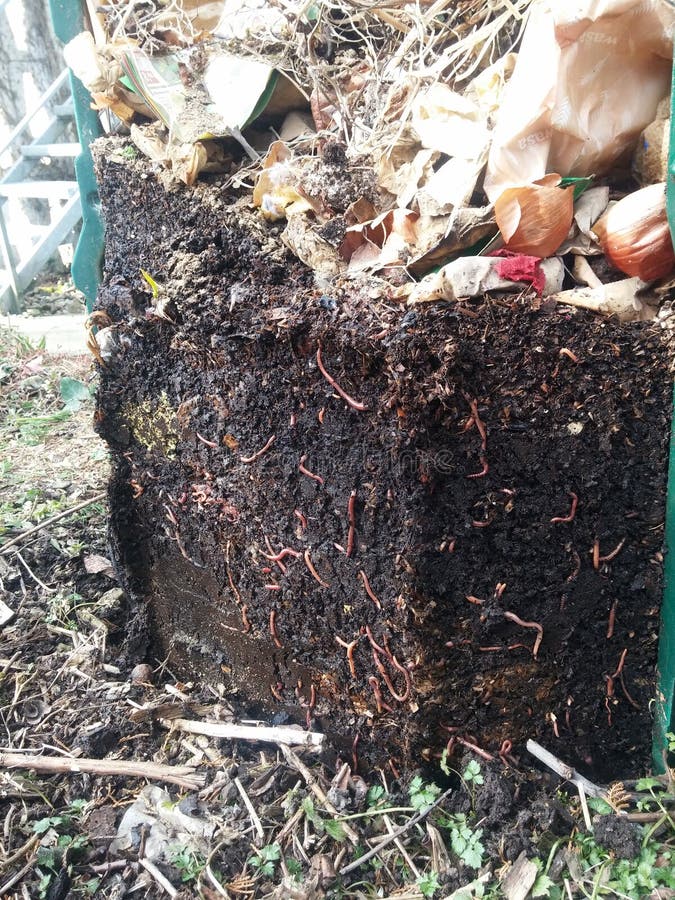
{"points": [[411, 523]]}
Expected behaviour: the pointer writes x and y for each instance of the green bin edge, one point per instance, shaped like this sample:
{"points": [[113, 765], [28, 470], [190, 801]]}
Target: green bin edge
{"points": [[68, 21], [665, 688]]}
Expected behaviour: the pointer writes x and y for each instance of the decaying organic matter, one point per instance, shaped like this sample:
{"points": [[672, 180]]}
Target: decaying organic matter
{"points": [[386, 525]]}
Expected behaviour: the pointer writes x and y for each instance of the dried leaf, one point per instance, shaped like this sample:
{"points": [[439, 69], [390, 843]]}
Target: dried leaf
{"points": [[98, 565]]}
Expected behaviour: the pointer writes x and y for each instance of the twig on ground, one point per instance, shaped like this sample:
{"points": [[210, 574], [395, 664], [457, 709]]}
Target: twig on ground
{"points": [[161, 880], [394, 834], [562, 769], [32, 574], [50, 521], [257, 824], [584, 806], [183, 776], [404, 853], [269, 734], [9, 884], [22, 851], [296, 763]]}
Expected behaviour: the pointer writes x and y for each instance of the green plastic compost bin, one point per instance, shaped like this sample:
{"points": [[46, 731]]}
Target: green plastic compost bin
{"points": [[68, 21], [666, 666]]}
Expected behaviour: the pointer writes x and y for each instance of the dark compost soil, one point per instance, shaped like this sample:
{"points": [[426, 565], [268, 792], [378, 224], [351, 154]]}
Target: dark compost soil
{"points": [[212, 399]]}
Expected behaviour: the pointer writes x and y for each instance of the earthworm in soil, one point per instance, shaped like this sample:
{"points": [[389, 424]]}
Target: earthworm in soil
{"points": [[259, 453], [313, 572], [355, 404], [282, 554], [273, 630], [375, 685], [277, 562], [352, 525], [570, 516], [244, 619], [349, 647], [484, 471], [206, 441], [274, 688], [303, 520], [615, 552], [304, 471], [611, 620], [538, 628], [369, 590]]}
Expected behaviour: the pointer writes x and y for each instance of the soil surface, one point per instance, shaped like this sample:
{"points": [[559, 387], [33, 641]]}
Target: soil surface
{"points": [[475, 606]]}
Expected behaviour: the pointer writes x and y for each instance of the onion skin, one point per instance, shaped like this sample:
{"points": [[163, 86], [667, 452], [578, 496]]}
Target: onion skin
{"points": [[535, 219], [634, 234]]}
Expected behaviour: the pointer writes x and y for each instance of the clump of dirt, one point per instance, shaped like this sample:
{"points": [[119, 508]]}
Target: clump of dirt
{"points": [[412, 530]]}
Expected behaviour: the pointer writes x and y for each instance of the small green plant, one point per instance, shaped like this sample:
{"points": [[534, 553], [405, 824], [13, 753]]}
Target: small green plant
{"points": [[294, 868], [464, 840], [188, 863], [428, 884], [375, 794], [331, 827], [422, 794], [265, 861], [68, 847], [129, 152]]}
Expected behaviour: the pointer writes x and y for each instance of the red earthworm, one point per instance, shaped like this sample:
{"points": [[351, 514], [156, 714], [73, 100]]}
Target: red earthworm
{"points": [[272, 587], [475, 748], [301, 467], [611, 620], [169, 514], [369, 590], [266, 570], [273, 630], [489, 649], [137, 489], [352, 524], [293, 421], [277, 562], [182, 500], [373, 642], [468, 425], [473, 404], [314, 573], [394, 771], [518, 647], [244, 619], [570, 516], [554, 723], [476, 524], [401, 698], [361, 407], [564, 351], [205, 441], [350, 653], [181, 547], [626, 694], [577, 567], [475, 600], [276, 693], [282, 554], [568, 711], [504, 750], [236, 593], [453, 644], [311, 705], [484, 471], [508, 492], [619, 668], [355, 759], [303, 520], [258, 453], [540, 631], [596, 554], [375, 685], [339, 548], [615, 552], [321, 414], [451, 545]]}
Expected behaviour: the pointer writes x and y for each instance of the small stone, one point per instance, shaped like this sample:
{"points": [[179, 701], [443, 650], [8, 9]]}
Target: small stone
{"points": [[141, 674]]}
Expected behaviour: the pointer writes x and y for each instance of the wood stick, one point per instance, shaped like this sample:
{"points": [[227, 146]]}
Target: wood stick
{"points": [[154, 873], [257, 824], [345, 870], [270, 734], [50, 521], [183, 776], [295, 762], [562, 769]]}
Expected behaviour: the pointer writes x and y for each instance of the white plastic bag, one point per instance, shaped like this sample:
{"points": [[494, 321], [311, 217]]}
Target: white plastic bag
{"points": [[588, 79]]}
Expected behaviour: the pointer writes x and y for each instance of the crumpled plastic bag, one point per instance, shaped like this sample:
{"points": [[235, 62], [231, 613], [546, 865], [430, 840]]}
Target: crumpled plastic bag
{"points": [[588, 79]]}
